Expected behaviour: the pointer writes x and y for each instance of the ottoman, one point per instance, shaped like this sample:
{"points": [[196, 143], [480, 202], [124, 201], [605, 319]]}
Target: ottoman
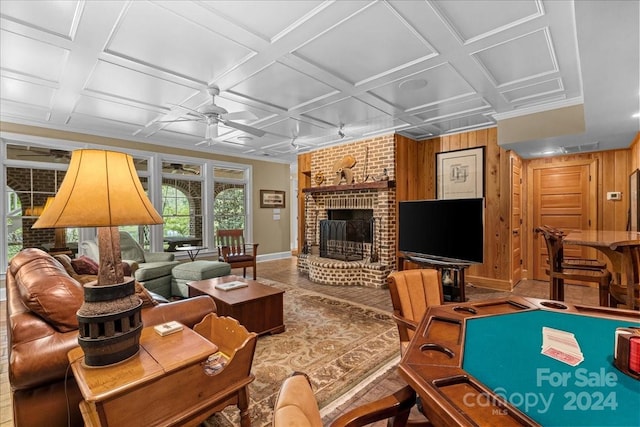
{"points": [[195, 270]]}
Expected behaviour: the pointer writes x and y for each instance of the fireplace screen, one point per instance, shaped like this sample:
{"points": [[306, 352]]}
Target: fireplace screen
{"points": [[343, 239]]}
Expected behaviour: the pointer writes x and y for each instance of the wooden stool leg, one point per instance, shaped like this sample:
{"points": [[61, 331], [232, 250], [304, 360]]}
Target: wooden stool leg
{"points": [[604, 291], [560, 289], [556, 290]]}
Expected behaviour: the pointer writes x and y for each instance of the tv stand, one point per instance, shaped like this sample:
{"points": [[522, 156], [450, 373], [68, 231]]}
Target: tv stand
{"points": [[450, 292]]}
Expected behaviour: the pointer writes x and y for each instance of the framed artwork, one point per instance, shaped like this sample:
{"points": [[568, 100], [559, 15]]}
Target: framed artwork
{"points": [[634, 193], [460, 174], [272, 199]]}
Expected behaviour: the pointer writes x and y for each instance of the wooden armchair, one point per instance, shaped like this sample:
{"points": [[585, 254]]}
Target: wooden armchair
{"points": [[296, 405], [559, 271], [232, 249], [412, 292], [233, 376]]}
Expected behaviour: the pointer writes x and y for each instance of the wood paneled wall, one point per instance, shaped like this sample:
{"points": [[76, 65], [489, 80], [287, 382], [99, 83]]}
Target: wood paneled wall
{"points": [[416, 165]]}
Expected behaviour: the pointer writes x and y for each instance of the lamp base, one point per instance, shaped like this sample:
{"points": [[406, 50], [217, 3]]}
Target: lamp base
{"points": [[109, 323]]}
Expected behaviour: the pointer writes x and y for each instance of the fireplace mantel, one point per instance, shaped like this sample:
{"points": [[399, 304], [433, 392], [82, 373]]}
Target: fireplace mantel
{"points": [[376, 185]]}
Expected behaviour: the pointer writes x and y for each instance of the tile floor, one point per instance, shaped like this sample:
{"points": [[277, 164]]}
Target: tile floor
{"points": [[286, 271]]}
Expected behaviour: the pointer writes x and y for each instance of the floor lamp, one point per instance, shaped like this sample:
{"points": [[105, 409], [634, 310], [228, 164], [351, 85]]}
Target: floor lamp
{"points": [[101, 189]]}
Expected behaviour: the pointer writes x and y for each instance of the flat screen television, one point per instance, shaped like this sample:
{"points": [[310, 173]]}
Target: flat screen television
{"points": [[450, 230]]}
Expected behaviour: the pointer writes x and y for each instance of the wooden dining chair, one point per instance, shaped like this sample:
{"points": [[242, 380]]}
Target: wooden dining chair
{"points": [[233, 250], [558, 271]]}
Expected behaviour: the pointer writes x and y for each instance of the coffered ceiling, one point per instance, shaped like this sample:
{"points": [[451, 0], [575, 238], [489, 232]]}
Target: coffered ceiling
{"points": [[309, 70]]}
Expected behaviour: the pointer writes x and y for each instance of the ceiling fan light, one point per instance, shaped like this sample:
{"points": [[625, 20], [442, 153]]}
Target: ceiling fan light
{"points": [[212, 131]]}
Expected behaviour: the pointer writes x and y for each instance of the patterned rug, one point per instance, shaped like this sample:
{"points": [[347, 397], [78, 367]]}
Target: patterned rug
{"points": [[337, 343]]}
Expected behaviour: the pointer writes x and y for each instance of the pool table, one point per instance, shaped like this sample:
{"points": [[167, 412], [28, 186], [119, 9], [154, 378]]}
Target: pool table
{"points": [[480, 363]]}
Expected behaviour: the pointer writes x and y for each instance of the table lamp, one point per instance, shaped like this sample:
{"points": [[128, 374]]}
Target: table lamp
{"points": [[60, 242], [101, 189]]}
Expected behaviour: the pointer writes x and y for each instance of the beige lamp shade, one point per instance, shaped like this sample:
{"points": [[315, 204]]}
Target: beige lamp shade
{"points": [[101, 189]]}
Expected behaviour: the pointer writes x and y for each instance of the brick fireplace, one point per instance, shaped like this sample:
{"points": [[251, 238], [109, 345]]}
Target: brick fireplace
{"points": [[370, 199]]}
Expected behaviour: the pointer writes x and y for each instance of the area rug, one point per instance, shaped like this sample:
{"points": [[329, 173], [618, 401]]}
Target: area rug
{"points": [[337, 343]]}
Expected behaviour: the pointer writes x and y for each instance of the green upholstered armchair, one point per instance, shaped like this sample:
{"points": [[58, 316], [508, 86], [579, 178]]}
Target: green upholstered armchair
{"points": [[154, 268]]}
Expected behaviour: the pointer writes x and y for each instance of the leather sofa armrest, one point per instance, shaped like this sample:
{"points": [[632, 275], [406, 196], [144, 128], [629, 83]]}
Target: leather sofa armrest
{"points": [[187, 311], [38, 353], [159, 256]]}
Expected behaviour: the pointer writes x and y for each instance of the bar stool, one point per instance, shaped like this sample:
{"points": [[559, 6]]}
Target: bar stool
{"points": [[559, 270]]}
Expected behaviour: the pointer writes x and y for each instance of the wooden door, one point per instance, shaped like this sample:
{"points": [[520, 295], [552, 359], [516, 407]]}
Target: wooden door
{"points": [[516, 219], [562, 198]]}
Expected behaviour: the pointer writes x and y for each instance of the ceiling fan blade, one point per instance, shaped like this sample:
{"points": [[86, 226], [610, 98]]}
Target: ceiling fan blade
{"points": [[240, 115], [191, 110], [178, 120], [244, 128]]}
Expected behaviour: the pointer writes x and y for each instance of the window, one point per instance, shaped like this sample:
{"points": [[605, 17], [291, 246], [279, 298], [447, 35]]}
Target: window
{"points": [[181, 204], [230, 199], [27, 190], [194, 196]]}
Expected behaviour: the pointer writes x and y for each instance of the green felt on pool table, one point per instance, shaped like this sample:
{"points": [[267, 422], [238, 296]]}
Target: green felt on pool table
{"points": [[503, 352]]}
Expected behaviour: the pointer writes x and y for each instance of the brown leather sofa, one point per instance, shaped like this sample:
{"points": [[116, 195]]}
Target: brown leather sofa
{"points": [[41, 329]]}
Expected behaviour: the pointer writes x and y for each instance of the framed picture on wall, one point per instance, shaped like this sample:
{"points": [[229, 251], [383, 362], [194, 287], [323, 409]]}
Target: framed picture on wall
{"points": [[272, 199], [460, 174], [634, 193]]}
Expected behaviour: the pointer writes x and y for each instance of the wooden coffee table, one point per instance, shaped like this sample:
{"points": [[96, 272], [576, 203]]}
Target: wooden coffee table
{"points": [[257, 307]]}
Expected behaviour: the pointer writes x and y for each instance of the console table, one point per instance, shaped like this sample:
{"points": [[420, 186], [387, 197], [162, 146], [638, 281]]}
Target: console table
{"points": [[164, 384]]}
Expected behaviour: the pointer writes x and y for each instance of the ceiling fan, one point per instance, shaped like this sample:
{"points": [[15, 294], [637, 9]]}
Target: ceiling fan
{"points": [[213, 114], [175, 168], [58, 155]]}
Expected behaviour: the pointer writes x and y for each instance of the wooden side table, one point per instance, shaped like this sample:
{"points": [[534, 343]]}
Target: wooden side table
{"points": [[164, 384]]}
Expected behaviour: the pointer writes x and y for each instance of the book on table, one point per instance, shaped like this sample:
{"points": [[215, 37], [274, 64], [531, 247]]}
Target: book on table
{"points": [[236, 284]]}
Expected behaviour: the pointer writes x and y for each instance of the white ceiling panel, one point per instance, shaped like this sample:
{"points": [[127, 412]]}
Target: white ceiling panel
{"points": [[345, 111], [451, 108], [339, 50], [535, 90], [282, 87], [293, 128], [462, 123], [519, 59], [302, 68], [127, 83], [152, 35], [110, 110], [57, 17], [22, 111], [472, 20], [439, 84], [31, 57], [265, 19], [25, 92], [99, 125]]}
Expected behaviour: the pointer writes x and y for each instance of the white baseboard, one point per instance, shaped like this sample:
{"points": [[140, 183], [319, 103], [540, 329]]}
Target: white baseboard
{"points": [[275, 255]]}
